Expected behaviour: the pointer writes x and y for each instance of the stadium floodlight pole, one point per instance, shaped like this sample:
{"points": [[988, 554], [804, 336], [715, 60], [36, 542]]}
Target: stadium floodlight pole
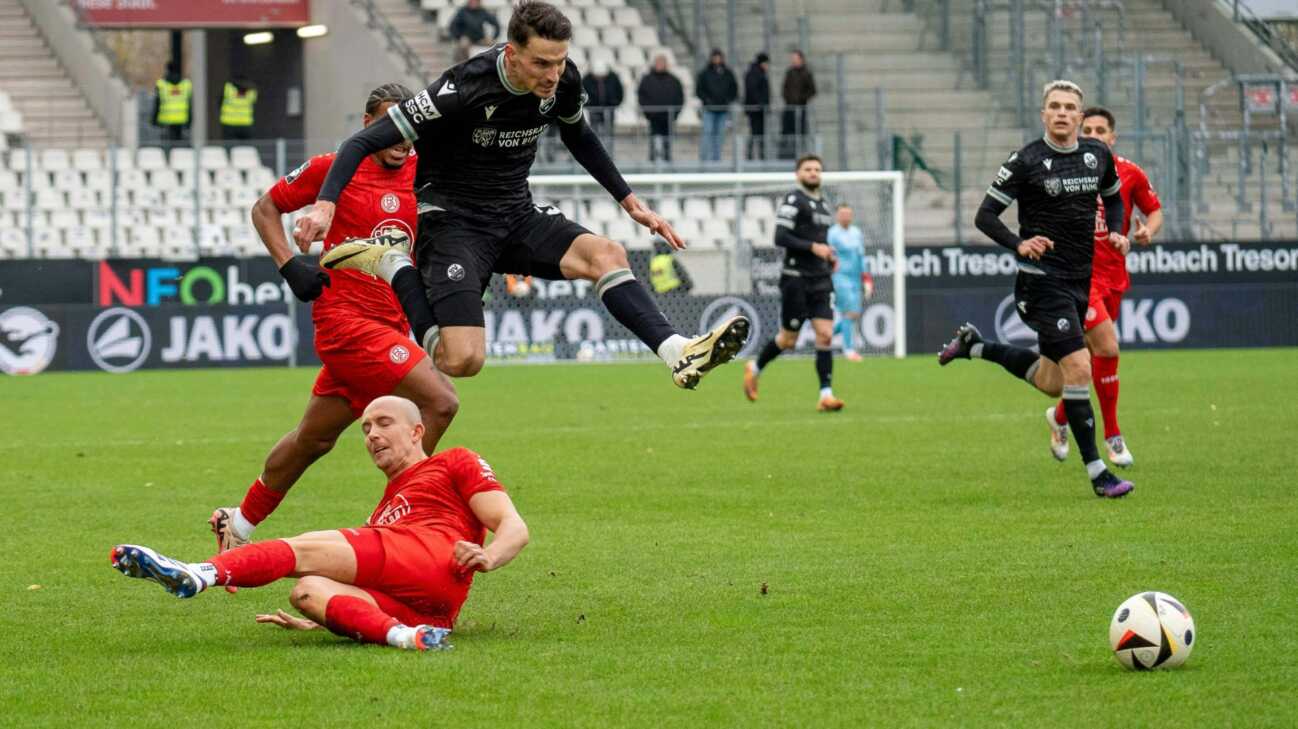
{"points": [[724, 180]]}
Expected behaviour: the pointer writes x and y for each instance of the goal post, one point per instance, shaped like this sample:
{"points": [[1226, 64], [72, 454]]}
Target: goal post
{"points": [[731, 264]]}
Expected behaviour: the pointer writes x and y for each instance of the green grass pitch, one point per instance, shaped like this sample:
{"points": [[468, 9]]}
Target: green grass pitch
{"points": [[916, 560]]}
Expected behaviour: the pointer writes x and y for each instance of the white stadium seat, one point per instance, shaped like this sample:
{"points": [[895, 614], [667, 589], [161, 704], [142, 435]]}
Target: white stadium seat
{"points": [[213, 158], [642, 36], [724, 208], [229, 217], [132, 179], [212, 241], [604, 211], [88, 159], [698, 208], [597, 17], [80, 242], [50, 200], [585, 38], [164, 180], [243, 198], [148, 198], [9, 181], [178, 199], [260, 179], [68, 179], [99, 180], [670, 208], [13, 243], [122, 159], [182, 158], [11, 121], [178, 244], [84, 199], [14, 200], [97, 218], [212, 197], [41, 181], [47, 243], [163, 217], [630, 18], [718, 232], [18, 160], [53, 160], [622, 230], [759, 207], [244, 158], [615, 37], [64, 218], [151, 158], [228, 178], [756, 232], [632, 57], [689, 230]]}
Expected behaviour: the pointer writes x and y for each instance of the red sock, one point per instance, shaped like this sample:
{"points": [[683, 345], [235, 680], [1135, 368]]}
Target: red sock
{"points": [[254, 565], [352, 617], [1104, 374], [259, 502], [1061, 417]]}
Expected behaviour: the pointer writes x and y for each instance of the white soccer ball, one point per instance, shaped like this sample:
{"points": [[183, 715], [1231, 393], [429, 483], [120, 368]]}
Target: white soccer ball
{"points": [[1152, 630]]}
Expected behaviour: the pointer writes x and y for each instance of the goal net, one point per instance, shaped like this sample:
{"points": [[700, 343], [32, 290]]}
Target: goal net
{"points": [[731, 265]]}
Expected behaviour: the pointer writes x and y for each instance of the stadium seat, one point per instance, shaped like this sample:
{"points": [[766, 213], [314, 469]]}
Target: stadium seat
{"points": [[9, 181], [18, 160], [670, 208], [260, 179], [97, 218], [229, 217], [165, 180], [585, 38], [14, 200], [87, 160], [13, 243], [151, 158], [163, 217], [11, 122], [148, 198], [604, 210], [121, 158], [80, 242], [68, 179], [50, 200], [243, 198], [689, 118], [244, 158], [178, 244], [623, 230], [8, 219], [47, 243], [759, 207], [228, 178], [719, 233], [132, 179], [101, 180], [41, 181], [615, 37], [130, 217], [212, 241], [597, 17], [144, 242], [724, 208], [641, 35], [244, 241], [182, 158], [53, 160], [64, 218], [632, 57], [698, 208], [627, 116], [212, 197], [689, 230], [213, 158], [178, 198]]}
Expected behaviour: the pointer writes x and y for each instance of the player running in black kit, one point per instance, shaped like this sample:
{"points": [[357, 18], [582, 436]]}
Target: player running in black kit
{"points": [[1055, 180], [806, 283], [475, 131]]}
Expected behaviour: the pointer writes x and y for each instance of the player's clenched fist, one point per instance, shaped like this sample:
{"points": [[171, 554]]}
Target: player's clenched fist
{"points": [[313, 226], [472, 557], [1119, 243], [1035, 247]]}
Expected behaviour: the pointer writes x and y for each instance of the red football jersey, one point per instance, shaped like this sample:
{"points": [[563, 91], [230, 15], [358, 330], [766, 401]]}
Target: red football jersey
{"points": [[434, 494], [1109, 266], [376, 199]]}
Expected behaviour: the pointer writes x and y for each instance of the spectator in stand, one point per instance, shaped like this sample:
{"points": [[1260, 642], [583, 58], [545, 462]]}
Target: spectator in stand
{"points": [[604, 94], [171, 105], [666, 273], [469, 28], [237, 103], [757, 104], [717, 89], [799, 90], [660, 96]]}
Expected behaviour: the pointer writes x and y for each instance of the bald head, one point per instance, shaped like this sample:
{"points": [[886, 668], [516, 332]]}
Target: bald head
{"points": [[394, 434]]}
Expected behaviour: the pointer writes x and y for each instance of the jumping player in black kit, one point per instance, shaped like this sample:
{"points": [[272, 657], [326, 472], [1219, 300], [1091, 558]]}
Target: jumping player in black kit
{"points": [[806, 284], [1055, 180], [475, 131]]}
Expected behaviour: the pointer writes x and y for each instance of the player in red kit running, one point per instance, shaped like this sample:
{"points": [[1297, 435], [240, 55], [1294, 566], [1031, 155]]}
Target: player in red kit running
{"points": [[401, 579], [1109, 281], [361, 334]]}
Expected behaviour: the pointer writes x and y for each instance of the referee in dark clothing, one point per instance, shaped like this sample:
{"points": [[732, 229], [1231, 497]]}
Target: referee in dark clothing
{"points": [[1056, 181]]}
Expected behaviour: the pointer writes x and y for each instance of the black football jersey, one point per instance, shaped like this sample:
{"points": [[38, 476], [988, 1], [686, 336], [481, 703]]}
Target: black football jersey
{"points": [[1056, 189], [808, 218], [475, 134]]}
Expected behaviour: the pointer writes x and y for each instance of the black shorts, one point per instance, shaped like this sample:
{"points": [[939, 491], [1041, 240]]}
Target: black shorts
{"points": [[456, 256], [1054, 308], [802, 298]]}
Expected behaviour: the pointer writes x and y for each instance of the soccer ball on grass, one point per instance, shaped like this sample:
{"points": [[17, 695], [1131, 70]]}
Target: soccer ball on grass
{"points": [[1151, 630]]}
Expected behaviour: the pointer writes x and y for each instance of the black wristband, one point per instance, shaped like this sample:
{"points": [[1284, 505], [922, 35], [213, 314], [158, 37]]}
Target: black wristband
{"points": [[307, 282]]}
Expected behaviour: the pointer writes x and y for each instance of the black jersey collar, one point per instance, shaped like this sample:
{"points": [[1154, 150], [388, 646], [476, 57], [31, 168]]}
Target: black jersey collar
{"points": [[1046, 138], [504, 79], [813, 195]]}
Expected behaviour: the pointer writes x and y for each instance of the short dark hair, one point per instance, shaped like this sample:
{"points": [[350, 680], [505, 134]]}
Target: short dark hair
{"points": [[533, 17], [808, 158], [1101, 111], [394, 92]]}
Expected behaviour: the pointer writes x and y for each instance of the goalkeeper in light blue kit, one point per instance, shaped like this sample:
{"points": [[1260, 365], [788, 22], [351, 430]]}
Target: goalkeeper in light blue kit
{"points": [[852, 283]]}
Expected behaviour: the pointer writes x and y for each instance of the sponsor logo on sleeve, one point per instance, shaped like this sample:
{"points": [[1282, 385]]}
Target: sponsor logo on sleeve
{"points": [[422, 109], [290, 177]]}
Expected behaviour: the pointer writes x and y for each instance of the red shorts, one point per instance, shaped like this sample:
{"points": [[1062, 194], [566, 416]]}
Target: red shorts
{"points": [[362, 359], [1105, 304], [412, 574]]}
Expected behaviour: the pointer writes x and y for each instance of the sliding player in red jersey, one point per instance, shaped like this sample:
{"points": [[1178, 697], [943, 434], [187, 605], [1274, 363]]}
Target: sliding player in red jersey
{"points": [[1109, 281], [361, 334], [400, 579]]}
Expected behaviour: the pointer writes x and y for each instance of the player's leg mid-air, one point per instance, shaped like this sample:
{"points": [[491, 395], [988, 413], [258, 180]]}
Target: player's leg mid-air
{"points": [[1109, 281], [1054, 254], [475, 130], [806, 281], [360, 332]]}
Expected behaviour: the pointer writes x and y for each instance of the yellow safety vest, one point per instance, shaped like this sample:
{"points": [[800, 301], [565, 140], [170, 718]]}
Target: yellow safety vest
{"points": [[662, 273], [173, 102], [236, 108]]}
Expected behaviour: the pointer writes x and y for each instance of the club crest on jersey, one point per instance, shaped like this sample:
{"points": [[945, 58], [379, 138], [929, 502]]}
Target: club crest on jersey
{"points": [[398, 354], [1090, 160], [1054, 186], [1063, 325], [455, 272], [390, 203], [484, 136], [547, 104]]}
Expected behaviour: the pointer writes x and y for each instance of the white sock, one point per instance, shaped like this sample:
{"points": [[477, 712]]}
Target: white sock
{"points": [[672, 349], [401, 636], [976, 351], [1095, 468], [241, 527], [826, 392], [207, 571], [752, 365], [391, 262]]}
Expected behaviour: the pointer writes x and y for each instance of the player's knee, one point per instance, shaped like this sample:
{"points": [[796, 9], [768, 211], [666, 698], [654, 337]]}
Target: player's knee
{"points": [[606, 255], [461, 364], [313, 445], [441, 408], [1107, 347], [786, 339], [309, 595], [824, 341]]}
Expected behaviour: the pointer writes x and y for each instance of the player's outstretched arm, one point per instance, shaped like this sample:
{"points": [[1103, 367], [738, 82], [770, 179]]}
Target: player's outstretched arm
{"points": [[307, 282], [377, 136], [509, 533]]}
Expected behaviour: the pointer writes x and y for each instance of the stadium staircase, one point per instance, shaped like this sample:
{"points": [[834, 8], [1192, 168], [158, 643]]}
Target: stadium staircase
{"points": [[53, 111]]}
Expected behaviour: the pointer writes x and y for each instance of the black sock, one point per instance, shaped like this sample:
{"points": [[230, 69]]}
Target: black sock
{"points": [[633, 307], [1081, 420], [1016, 360], [409, 288], [769, 352], [825, 367]]}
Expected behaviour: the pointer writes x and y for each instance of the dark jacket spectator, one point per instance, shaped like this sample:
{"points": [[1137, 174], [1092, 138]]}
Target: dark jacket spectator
{"points": [[716, 85], [660, 96], [799, 84], [604, 94], [757, 83], [470, 22]]}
